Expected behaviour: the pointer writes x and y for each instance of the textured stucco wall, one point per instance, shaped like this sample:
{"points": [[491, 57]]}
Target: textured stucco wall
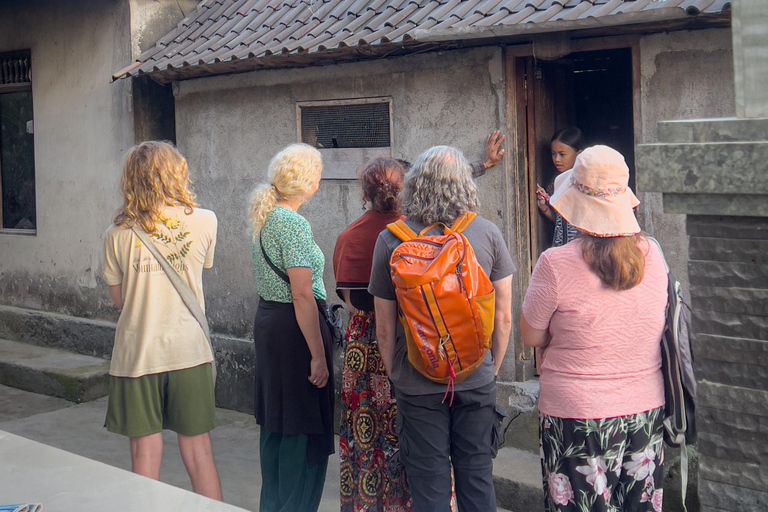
{"points": [[229, 128], [81, 132], [684, 75], [152, 19]]}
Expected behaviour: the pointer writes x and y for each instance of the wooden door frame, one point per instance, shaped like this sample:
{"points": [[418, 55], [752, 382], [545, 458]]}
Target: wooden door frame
{"points": [[521, 208]]}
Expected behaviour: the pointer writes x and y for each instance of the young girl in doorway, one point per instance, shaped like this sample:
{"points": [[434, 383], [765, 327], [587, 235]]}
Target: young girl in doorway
{"points": [[566, 144]]}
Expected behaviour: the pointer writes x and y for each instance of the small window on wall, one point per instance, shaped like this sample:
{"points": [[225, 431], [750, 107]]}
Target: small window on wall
{"points": [[349, 133], [17, 144]]}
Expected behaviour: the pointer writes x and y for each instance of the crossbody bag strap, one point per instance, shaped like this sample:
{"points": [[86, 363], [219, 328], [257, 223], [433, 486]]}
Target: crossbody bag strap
{"points": [[282, 275], [326, 314], [661, 252], [184, 291]]}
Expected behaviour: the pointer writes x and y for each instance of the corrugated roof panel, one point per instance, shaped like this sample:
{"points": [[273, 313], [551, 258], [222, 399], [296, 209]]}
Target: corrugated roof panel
{"points": [[223, 30]]}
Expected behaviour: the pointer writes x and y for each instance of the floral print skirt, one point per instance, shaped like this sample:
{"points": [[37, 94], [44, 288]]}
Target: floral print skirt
{"points": [[372, 477], [605, 465]]}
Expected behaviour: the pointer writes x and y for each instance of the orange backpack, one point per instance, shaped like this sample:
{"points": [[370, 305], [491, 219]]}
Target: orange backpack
{"points": [[445, 301]]}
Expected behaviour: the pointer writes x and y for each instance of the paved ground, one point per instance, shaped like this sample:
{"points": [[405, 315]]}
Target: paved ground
{"points": [[79, 429]]}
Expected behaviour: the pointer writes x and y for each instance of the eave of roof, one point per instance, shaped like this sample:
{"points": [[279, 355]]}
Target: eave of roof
{"points": [[232, 36]]}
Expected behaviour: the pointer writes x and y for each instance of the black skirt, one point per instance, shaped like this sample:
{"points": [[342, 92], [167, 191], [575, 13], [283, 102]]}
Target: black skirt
{"points": [[285, 401]]}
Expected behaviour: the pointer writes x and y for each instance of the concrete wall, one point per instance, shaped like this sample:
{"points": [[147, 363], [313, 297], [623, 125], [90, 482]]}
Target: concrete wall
{"points": [[229, 127], [152, 19], [684, 75], [81, 132]]}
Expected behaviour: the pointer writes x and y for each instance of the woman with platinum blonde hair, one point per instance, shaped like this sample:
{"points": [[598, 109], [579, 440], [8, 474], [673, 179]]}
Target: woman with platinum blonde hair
{"points": [[293, 400], [160, 373], [435, 433]]}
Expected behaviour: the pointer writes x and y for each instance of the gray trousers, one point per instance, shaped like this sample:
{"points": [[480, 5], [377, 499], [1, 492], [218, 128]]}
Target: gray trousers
{"points": [[430, 431]]}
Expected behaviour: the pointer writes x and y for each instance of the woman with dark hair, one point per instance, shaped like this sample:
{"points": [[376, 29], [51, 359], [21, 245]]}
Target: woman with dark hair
{"points": [[565, 145], [601, 391], [371, 476]]}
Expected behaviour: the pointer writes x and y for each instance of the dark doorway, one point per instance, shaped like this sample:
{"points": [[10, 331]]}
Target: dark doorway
{"points": [[590, 90]]}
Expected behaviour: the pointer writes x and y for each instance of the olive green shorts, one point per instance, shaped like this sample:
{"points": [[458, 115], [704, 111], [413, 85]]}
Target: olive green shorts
{"points": [[181, 401]]}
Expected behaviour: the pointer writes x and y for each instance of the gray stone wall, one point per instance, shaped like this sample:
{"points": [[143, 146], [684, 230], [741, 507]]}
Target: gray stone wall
{"points": [[712, 170], [683, 75], [729, 289]]}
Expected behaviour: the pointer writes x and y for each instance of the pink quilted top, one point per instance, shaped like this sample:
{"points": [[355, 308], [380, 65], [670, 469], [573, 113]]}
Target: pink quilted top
{"points": [[604, 356]]}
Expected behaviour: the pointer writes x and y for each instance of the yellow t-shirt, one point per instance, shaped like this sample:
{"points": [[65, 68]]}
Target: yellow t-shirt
{"points": [[156, 332]]}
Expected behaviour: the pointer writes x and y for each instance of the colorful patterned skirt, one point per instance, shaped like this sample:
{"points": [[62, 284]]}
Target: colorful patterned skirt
{"points": [[372, 477], [606, 465]]}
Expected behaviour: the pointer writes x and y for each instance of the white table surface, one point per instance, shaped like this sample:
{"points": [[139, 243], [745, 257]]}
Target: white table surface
{"points": [[31, 472]]}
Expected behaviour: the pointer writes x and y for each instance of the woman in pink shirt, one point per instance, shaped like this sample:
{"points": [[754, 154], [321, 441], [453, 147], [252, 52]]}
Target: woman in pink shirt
{"points": [[596, 307]]}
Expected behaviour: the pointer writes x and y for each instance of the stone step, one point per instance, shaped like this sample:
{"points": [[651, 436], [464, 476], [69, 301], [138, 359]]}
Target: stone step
{"points": [[53, 372], [517, 479]]}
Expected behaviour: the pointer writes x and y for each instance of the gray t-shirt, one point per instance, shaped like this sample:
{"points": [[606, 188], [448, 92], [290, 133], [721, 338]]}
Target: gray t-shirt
{"points": [[492, 256]]}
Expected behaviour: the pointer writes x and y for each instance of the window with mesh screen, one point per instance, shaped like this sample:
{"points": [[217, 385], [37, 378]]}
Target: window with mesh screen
{"points": [[17, 144], [361, 125]]}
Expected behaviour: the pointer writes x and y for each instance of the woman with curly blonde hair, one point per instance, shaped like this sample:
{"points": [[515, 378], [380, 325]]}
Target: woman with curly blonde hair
{"points": [[160, 373], [293, 401]]}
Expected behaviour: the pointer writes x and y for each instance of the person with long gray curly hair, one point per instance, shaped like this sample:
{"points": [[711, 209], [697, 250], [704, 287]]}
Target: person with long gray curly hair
{"points": [[438, 433], [439, 187], [293, 393]]}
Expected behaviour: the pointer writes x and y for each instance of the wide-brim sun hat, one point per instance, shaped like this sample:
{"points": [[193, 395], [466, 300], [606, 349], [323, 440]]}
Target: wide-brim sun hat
{"points": [[595, 197]]}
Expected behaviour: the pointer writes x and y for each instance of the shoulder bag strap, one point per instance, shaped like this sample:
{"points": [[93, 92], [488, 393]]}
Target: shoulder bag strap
{"points": [[683, 449], [661, 252], [184, 291], [282, 275]]}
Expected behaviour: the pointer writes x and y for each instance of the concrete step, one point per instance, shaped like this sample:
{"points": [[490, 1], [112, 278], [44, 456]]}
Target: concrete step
{"points": [[53, 372], [517, 479]]}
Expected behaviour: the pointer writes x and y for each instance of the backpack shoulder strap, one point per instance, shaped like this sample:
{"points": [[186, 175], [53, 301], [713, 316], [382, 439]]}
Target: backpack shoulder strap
{"points": [[459, 225], [463, 221], [401, 230]]}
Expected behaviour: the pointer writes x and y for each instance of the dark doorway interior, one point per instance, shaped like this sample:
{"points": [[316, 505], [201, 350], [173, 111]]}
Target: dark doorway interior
{"points": [[590, 90], [602, 89]]}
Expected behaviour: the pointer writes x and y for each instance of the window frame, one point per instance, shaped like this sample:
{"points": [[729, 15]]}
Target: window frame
{"points": [[9, 89], [346, 161]]}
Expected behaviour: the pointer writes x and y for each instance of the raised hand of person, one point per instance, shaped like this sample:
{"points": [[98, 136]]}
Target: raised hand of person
{"points": [[492, 153]]}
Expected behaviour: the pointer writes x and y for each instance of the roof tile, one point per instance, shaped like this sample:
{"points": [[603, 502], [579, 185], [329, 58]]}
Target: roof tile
{"points": [[228, 30]]}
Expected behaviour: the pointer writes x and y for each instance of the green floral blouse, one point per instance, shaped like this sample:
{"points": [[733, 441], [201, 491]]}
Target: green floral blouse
{"points": [[288, 241]]}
